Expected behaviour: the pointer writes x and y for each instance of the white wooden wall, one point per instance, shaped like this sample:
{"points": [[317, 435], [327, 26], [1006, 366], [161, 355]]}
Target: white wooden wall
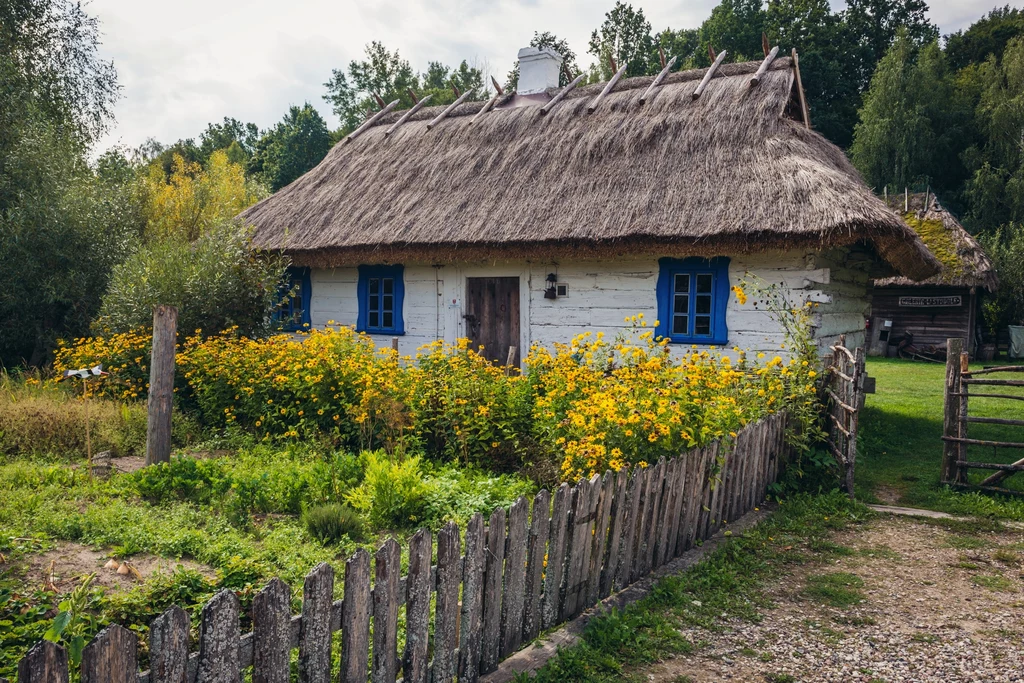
{"points": [[602, 293]]}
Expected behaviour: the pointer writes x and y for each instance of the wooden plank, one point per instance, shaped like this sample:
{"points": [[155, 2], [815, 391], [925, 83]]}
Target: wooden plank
{"points": [[664, 524], [168, 647], [161, 384], [715, 499], [1012, 467], [631, 515], [977, 395], [709, 74], [539, 528], [653, 512], [407, 115], [446, 619], [645, 98], [387, 569], [691, 493], [995, 382], [449, 109], [706, 492], [613, 549], [996, 421], [800, 90], [980, 442], [561, 94], [513, 598], [111, 657], [369, 122], [355, 619], [45, 662], [592, 107], [995, 368], [417, 610], [315, 629], [472, 599], [763, 69], [642, 524], [218, 640], [605, 492], [551, 600], [490, 640], [678, 504], [271, 614], [578, 543]]}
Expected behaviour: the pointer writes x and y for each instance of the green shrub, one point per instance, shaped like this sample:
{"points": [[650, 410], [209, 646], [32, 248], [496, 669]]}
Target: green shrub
{"points": [[392, 494], [333, 522], [454, 494]]}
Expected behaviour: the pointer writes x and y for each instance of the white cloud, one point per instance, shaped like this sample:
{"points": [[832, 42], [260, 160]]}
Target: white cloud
{"points": [[185, 64]]}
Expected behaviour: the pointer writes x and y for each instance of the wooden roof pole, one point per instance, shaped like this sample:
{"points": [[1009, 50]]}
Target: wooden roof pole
{"points": [[448, 110], [497, 87], [369, 122], [763, 69], [562, 93], [607, 88], [711, 72], [658, 79], [405, 117], [486, 108], [800, 91]]}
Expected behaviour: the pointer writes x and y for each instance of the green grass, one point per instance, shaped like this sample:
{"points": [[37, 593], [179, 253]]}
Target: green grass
{"points": [[837, 589], [728, 584], [900, 445]]}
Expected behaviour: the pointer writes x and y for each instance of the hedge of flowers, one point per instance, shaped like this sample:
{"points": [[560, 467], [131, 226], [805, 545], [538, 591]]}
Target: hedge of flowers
{"points": [[588, 405]]}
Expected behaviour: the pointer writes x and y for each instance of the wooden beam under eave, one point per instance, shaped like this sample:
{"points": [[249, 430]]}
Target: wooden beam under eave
{"points": [[657, 81], [370, 121], [711, 72], [561, 94], [448, 110], [800, 91], [607, 88], [405, 117], [763, 69]]}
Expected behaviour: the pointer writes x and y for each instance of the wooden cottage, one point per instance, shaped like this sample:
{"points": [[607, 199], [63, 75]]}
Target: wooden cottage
{"points": [[946, 305], [549, 212]]}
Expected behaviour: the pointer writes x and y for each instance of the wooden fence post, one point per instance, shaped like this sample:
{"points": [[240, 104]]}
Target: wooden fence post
{"points": [[951, 414], [168, 647], [111, 657], [46, 662], [161, 384]]}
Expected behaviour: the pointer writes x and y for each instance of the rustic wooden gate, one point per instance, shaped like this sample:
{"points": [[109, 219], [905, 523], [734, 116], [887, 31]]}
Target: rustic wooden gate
{"points": [[845, 389], [960, 380], [492, 317]]}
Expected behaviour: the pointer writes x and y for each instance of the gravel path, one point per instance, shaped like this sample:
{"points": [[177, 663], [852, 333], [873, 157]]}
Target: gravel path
{"points": [[924, 617]]}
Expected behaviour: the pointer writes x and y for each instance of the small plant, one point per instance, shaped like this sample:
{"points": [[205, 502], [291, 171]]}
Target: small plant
{"points": [[839, 589], [73, 622], [392, 493], [333, 522]]}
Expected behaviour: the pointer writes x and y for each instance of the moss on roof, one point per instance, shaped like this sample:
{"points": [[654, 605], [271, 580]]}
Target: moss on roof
{"points": [[940, 242]]}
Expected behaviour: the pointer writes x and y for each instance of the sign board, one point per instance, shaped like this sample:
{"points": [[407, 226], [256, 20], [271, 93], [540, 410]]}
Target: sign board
{"points": [[930, 301]]}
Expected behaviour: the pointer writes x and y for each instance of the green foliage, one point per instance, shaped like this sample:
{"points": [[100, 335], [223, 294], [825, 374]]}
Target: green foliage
{"points": [[984, 38], [332, 522], [735, 26], [393, 494], [292, 147], [455, 494], [74, 621], [218, 283], [837, 589], [625, 36]]}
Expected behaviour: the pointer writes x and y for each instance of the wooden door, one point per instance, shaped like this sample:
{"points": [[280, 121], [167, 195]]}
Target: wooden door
{"points": [[492, 316]]}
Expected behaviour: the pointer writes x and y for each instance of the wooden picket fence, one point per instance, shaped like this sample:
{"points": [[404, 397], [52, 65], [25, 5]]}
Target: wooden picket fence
{"points": [[515, 577]]}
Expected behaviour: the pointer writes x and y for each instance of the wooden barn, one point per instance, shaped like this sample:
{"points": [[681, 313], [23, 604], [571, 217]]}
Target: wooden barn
{"points": [[548, 212], [925, 314]]}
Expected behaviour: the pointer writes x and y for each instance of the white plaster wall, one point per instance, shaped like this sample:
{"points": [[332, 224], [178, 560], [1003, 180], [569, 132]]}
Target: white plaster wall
{"points": [[602, 293]]}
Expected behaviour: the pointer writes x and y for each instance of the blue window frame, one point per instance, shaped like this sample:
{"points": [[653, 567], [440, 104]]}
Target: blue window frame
{"points": [[293, 314], [693, 294], [381, 292]]}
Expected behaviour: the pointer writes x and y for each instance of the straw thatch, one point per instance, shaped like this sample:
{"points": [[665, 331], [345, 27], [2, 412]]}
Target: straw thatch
{"points": [[964, 262], [731, 171]]}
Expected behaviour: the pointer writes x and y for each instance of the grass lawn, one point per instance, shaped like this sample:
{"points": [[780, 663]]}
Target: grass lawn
{"points": [[900, 446]]}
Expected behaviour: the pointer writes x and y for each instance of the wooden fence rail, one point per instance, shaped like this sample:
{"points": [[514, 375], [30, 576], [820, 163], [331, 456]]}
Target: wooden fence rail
{"points": [[519, 573], [844, 388]]}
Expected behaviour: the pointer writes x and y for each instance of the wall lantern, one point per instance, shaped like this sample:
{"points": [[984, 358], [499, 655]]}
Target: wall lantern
{"points": [[550, 292]]}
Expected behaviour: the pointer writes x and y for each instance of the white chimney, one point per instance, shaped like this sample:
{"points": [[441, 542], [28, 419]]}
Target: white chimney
{"points": [[538, 70]]}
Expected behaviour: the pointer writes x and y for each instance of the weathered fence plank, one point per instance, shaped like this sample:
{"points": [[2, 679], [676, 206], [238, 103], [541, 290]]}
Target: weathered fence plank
{"points": [[111, 657], [168, 647], [539, 526], [613, 548], [446, 619], [678, 506], [665, 513], [643, 489], [387, 568], [654, 491], [579, 546], [417, 609], [218, 640], [490, 641], [551, 600], [355, 619], [513, 599], [271, 614], [597, 554], [46, 662], [315, 629], [472, 599], [161, 385]]}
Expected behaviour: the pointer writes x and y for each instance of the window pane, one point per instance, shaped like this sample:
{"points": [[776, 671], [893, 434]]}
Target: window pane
{"points": [[388, 319], [389, 285], [374, 319], [682, 304], [374, 302], [682, 282], [389, 303], [704, 283], [680, 325], [702, 325], [703, 304]]}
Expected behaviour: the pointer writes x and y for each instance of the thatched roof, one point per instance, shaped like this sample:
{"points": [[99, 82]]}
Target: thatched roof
{"points": [[731, 171], [964, 262]]}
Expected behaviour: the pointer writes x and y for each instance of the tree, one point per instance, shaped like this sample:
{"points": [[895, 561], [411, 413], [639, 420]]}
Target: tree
{"points": [[292, 147], [625, 35], [382, 73], [559, 45], [734, 25], [985, 38], [439, 79], [232, 134], [684, 44], [871, 26]]}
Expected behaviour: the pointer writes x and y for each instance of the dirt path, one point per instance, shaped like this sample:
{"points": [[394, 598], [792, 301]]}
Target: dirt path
{"points": [[901, 601]]}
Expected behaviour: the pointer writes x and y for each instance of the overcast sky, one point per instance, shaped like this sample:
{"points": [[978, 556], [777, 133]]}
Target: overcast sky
{"points": [[184, 64]]}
